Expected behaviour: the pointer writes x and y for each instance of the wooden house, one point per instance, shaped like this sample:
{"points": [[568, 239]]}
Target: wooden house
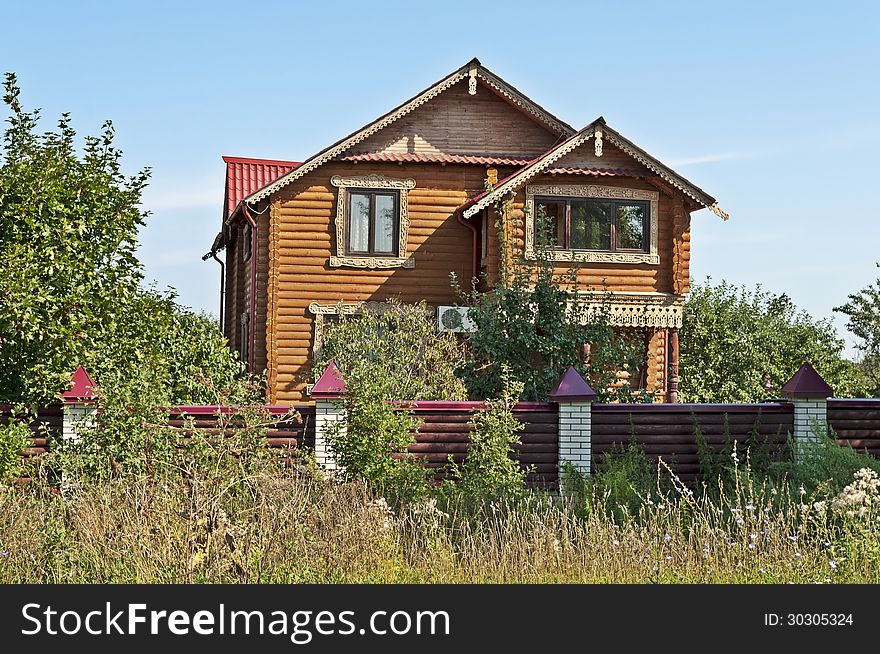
{"points": [[392, 209]]}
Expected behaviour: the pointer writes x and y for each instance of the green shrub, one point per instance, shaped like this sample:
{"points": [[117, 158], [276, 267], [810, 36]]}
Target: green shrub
{"points": [[625, 478], [15, 436], [489, 472]]}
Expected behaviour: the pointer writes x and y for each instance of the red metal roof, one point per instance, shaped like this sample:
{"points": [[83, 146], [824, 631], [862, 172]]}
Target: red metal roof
{"points": [[438, 157], [245, 176]]}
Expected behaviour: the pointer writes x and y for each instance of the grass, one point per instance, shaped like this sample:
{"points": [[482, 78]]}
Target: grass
{"points": [[286, 528], [222, 518]]}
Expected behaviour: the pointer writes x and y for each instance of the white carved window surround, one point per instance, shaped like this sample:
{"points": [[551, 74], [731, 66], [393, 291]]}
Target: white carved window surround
{"points": [[321, 311], [593, 191], [375, 183]]}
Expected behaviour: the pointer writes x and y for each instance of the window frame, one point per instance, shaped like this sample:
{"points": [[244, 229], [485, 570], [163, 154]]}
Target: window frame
{"points": [[562, 192], [343, 257], [371, 237], [566, 201]]}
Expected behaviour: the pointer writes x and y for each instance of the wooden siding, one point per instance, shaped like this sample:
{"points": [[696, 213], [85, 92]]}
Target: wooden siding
{"points": [[668, 430], [612, 157], [458, 123], [857, 423], [446, 428], [305, 239]]}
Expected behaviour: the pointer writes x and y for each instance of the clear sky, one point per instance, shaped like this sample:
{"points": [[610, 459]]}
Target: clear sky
{"points": [[771, 107]]}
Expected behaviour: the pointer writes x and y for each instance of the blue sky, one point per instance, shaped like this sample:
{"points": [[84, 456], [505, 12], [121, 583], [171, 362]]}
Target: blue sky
{"points": [[771, 107]]}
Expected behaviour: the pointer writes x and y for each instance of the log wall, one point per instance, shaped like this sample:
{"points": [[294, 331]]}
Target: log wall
{"points": [[304, 237]]}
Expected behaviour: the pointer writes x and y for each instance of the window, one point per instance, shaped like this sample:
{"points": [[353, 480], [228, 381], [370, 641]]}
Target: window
{"points": [[592, 224], [246, 242], [372, 223]]}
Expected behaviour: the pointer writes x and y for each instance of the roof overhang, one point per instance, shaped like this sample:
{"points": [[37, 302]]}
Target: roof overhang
{"points": [[600, 130], [471, 71]]}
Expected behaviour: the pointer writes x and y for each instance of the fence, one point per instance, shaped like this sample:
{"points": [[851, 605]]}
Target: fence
{"points": [[857, 423], [668, 430], [570, 430], [446, 427]]}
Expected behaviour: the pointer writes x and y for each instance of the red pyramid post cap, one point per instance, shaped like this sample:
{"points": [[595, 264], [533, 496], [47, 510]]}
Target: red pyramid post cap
{"points": [[806, 383], [330, 385], [81, 387], [572, 388]]}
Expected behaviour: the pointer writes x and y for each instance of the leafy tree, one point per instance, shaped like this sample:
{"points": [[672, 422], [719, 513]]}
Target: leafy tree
{"points": [[742, 345], [863, 310], [402, 341], [70, 290]]}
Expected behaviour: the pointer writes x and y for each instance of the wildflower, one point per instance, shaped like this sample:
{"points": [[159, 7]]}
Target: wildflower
{"points": [[833, 565], [734, 456], [668, 558], [661, 506], [773, 491], [667, 538], [750, 507], [761, 570], [654, 568], [4, 553], [751, 546], [792, 538], [802, 490], [798, 555], [616, 542], [753, 536]]}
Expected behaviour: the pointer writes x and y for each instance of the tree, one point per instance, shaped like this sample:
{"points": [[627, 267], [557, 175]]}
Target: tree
{"points": [[742, 345], [863, 310], [70, 290]]}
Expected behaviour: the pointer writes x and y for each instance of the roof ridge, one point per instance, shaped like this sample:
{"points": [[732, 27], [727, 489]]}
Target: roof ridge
{"points": [[471, 70]]}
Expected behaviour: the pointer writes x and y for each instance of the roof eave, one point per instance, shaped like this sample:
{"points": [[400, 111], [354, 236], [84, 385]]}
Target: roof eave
{"points": [[472, 67]]}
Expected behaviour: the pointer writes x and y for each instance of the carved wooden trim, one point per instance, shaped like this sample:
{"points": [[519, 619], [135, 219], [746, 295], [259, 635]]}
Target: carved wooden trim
{"points": [[340, 308], [528, 173], [343, 183], [661, 310], [593, 191]]}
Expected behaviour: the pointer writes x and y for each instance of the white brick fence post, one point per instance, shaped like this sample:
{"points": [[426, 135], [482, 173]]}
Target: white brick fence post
{"points": [[329, 409], [79, 406], [809, 394], [575, 399]]}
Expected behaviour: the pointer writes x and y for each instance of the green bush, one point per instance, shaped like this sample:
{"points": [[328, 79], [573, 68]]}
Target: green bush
{"points": [[489, 472], [15, 436]]}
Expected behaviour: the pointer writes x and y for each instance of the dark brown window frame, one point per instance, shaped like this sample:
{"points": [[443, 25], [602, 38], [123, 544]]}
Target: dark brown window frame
{"points": [[372, 192], [615, 202]]}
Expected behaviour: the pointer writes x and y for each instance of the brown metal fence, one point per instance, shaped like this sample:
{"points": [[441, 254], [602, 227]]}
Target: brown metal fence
{"points": [[283, 435], [857, 423], [446, 428], [668, 430]]}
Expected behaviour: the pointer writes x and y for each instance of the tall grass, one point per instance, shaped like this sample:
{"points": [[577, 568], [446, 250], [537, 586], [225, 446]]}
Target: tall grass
{"points": [[221, 515]]}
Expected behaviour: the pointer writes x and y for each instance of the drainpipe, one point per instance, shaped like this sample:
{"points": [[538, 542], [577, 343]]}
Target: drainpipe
{"points": [[475, 263], [222, 290], [252, 312]]}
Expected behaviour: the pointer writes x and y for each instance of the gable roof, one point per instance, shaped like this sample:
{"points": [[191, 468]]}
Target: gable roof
{"points": [[472, 70], [245, 175], [598, 128]]}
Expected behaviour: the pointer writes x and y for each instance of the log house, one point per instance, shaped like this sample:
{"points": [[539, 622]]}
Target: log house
{"points": [[392, 209]]}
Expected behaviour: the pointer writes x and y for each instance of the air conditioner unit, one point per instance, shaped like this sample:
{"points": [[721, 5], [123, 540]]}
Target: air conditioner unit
{"points": [[454, 319]]}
